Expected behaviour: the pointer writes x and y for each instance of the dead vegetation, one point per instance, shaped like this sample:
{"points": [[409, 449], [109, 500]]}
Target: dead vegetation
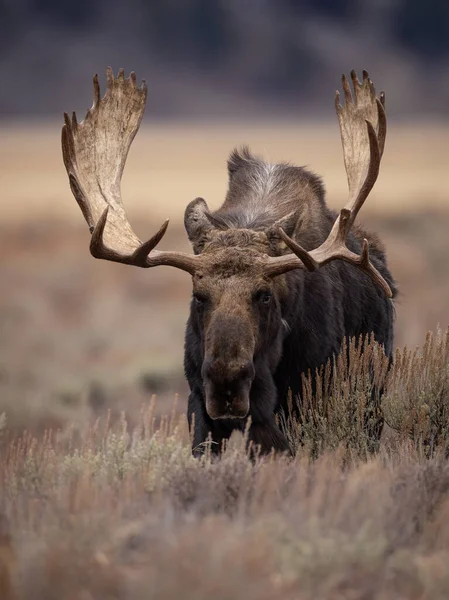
{"points": [[120, 512]]}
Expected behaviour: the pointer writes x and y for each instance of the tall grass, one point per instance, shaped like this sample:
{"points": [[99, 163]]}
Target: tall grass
{"points": [[120, 513]]}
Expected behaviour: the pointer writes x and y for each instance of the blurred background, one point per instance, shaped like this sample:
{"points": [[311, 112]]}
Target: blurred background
{"points": [[78, 336]]}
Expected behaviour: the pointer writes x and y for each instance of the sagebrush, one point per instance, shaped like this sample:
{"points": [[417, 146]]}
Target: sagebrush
{"points": [[120, 513]]}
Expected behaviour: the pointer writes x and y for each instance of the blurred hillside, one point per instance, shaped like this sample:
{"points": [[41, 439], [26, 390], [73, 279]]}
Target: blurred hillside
{"points": [[225, 57]]}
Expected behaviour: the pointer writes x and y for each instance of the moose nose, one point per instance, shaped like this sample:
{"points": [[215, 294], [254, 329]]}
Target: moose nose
{"points": [[221, 372]]}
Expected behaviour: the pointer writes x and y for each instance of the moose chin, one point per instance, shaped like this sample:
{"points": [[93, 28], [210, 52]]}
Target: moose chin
{"points": [[225, 406], [227, 390], [278, 279]]}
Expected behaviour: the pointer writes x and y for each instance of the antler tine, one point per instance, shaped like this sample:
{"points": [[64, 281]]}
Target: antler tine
{"points": [[363, 130], [362, 127], [94, 153]]}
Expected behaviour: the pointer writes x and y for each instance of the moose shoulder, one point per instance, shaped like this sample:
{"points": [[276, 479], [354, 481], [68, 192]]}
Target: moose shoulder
{"points": [[278, 278]]}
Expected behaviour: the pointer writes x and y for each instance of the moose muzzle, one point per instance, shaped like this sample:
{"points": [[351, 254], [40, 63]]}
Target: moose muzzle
{"points": [[227, 388]]}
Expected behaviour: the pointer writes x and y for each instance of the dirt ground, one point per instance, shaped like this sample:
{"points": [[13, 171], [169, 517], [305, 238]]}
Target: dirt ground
{"points": [[79, 336]]}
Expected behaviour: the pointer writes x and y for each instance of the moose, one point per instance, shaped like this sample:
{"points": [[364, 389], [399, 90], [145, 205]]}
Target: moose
{"points": [[279, 279]]}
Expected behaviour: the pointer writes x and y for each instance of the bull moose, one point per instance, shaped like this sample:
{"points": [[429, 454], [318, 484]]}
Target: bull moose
{"points": [[279, 279]]}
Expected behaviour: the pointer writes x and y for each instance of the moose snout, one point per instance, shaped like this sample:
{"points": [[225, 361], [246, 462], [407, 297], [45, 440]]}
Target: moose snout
{"points": [[219, 371], [227, 388]]}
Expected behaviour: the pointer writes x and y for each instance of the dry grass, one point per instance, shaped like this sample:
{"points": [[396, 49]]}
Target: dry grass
{"points": [[120, 513]]}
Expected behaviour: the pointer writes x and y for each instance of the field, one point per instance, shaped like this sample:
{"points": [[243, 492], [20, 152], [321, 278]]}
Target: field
{"points": [[113, 506]]}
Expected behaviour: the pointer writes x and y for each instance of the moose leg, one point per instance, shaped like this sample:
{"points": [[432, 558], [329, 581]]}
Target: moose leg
{"points": [[204, 431], [198, 422], [269, 437]]}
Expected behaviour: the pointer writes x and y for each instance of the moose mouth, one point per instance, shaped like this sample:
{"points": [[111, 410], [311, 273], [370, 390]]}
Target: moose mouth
{"points": [[223, 405], [229, 412], [227, 388]]}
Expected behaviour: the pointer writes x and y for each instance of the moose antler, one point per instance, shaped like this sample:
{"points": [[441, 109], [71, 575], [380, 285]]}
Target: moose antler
{"points": [[363, 130], [94, 154]]}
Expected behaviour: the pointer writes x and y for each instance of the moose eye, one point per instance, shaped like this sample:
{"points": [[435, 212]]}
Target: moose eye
{"points": [[200, 300], [264, 296]]}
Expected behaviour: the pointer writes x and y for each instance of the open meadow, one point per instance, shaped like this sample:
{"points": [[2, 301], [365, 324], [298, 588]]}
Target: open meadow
{"points": [[99, 495]]}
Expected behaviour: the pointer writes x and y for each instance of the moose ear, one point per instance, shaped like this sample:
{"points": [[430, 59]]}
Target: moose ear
{"points": [[287, 223], [197, 221]]}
